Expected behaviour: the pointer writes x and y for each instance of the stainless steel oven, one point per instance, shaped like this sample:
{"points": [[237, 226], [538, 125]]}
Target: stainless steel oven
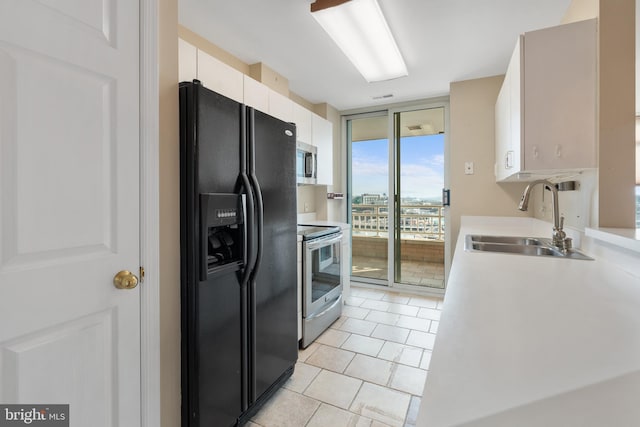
{"points": [[321, 280]]}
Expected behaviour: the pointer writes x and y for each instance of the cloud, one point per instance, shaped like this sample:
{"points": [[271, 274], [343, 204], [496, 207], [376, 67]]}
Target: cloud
{"points": [[421, 181], [421, 177], [369, 168], [437, 160], [417, 180]]}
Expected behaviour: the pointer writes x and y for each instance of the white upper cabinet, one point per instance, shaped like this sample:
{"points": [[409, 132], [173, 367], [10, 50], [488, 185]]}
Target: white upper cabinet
{"points": [[546, 109], [302, 119], [507, 120], [187, 61], [322, 137], [256, 94], [220, 77], [280, 106]]}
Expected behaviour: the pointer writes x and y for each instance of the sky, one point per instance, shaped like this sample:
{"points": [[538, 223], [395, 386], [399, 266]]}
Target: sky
{"points": [[422, 166]]}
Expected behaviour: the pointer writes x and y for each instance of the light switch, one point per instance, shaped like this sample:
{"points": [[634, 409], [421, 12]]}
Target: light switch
{"points": [[468, 168]]}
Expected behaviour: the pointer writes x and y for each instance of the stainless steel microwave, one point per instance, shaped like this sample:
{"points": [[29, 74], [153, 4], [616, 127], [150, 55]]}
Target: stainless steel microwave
{"points": [[306, 163]]}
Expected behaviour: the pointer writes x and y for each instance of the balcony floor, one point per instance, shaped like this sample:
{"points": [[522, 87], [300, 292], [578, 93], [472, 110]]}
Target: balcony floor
{"points": [[419, 273]]}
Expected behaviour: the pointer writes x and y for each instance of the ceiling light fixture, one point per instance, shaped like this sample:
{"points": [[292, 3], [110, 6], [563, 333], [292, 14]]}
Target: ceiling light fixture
{"points": [[358, 27]]}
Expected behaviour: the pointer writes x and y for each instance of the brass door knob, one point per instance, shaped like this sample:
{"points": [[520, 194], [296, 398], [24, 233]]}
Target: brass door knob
{"points": [[125, 280]]}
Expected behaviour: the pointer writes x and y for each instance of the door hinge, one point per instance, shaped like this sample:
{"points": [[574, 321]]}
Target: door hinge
{"points": [[141, 274]]}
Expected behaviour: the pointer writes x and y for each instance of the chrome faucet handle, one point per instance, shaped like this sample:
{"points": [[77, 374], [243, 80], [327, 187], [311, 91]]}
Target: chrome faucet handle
{"points": [[560, 226], [560, 239]]}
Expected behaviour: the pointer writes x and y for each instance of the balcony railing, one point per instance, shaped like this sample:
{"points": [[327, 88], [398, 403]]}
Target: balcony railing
{"points": [[418, 222]]}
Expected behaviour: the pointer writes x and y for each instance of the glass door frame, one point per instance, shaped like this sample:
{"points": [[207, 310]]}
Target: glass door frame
{"points": [[390, 112], [394, 168], [349, 186]]}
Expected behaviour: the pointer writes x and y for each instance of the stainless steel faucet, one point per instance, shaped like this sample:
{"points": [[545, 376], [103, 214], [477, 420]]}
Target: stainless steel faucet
{"points": [[560, 239]]}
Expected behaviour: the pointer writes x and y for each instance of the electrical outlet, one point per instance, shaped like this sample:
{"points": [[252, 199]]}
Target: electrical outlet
{"points": [[468, 168]]}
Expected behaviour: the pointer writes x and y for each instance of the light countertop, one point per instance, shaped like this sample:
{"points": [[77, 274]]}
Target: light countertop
{"points": [[531, 341]]}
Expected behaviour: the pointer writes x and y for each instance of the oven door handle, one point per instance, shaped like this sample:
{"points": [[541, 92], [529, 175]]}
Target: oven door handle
{"points": [[326, 310], [324, 241]]}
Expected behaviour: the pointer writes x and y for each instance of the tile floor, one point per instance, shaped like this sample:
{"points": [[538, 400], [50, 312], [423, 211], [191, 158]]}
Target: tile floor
{"points": [[367, 370], [428, 274]]}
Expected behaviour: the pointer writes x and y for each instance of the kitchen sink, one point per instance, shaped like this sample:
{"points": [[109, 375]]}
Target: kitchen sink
{"points": [[534, 246], [511, 240]]}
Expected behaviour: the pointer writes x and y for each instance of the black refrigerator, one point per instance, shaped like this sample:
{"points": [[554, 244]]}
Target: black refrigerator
{"points": [[238, 257]]}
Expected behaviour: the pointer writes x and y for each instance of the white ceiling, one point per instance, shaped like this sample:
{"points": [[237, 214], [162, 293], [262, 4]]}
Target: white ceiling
{"points": [[442, 41]]}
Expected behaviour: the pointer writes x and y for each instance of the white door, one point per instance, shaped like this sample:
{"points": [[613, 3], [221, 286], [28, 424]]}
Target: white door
{"points": [[69, 214]]}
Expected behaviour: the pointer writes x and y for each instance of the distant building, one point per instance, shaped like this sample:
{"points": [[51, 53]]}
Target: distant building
{"points": [[373, 199]]}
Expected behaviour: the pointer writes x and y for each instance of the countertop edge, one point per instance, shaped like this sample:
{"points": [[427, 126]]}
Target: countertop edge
{"points": [[628, 238]]}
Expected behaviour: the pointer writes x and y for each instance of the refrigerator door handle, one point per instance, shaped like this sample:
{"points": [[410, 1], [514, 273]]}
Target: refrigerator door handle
{"points": [[249, 239], [250, 246], [256, 188], [260, 222]]}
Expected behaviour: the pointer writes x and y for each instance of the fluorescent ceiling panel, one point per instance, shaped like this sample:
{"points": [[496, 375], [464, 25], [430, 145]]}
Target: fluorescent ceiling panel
{"points": [[358, 27]]}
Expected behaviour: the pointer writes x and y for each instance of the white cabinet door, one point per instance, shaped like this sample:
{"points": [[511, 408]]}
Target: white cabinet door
{"points": [[559, 87], [507, 120], [323, 139], [516, 100], [302, 119], [69, 216], [187, 61], [503, 130], [280, 106], [256, 94], [220, 77]]}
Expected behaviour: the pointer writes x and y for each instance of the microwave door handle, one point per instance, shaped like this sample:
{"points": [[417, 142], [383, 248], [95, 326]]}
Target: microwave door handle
{"points": [[314, 165], [315, 244], [308, 165]]}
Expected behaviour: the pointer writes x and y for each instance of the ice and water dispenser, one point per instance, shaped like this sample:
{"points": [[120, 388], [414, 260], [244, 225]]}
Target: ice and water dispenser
{"points": [[222, 245]]}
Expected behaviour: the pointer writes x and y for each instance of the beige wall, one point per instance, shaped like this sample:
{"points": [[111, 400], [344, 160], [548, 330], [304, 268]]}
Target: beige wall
{"points": [[213, 50], [616, 118], [579, 10], [472, 138], [169, 215], [306, 199]]}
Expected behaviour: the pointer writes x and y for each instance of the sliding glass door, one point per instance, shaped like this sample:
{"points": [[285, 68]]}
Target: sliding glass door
{"points": [[419, 215], [396, 173], [369, 212]]}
